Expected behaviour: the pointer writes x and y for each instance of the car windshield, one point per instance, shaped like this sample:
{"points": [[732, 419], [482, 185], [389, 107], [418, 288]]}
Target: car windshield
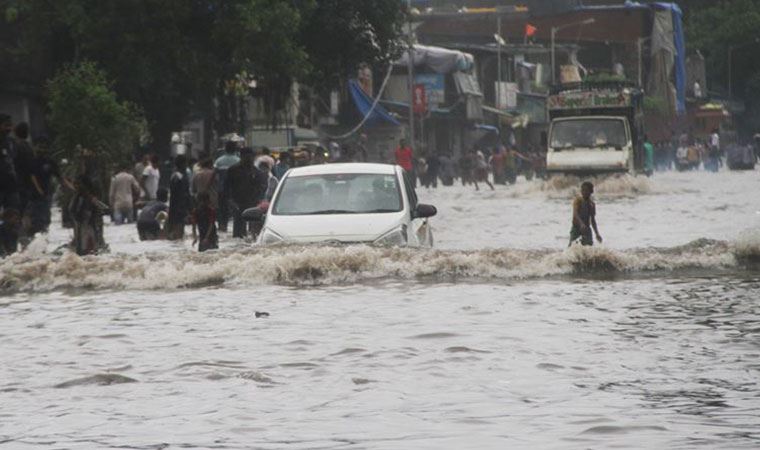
{"points": [[588, 133], [345, 193]]}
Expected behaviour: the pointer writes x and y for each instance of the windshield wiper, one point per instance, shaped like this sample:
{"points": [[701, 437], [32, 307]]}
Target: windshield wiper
{"points": [[330, 211]]}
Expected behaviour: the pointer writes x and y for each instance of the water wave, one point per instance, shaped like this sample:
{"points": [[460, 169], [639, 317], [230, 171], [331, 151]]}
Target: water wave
{"points": [[326, 265], [605, 186]]}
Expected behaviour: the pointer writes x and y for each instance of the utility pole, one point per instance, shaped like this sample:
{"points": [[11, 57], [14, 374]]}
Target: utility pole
{"points": [[554, 71], [498, 61], [410, 70], [640, 44], [730, 76]]}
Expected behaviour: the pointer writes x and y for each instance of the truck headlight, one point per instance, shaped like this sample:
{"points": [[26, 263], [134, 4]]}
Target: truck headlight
{"points": [[269, 237], [395, 237]]}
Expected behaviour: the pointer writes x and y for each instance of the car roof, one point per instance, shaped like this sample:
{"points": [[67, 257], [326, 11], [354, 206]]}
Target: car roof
{"points": [[328, 169]]}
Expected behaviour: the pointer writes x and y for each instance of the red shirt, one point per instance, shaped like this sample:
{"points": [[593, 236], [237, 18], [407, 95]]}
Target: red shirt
{"points": [[404, 158]]}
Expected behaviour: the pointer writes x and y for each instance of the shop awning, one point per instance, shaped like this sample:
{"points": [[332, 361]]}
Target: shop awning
{"points": [[363, 103], [486, 128]]}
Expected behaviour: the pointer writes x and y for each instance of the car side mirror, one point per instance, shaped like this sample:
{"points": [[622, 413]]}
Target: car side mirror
{"points": [[424, 211], [253, 215]]}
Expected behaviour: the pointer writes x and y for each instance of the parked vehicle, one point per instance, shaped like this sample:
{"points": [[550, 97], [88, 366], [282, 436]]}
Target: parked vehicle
{"points": [[740, 157], [346, 203]]}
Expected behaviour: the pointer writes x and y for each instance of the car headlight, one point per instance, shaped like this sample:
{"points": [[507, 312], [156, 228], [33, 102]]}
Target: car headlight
{"points": [[395, 237], [269, 237]]}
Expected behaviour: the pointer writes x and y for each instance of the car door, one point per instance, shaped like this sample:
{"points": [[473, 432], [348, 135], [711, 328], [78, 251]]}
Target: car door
{"points": [[420, 234]]}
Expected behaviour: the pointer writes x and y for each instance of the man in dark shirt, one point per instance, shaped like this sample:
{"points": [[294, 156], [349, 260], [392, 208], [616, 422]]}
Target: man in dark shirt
{"points": [[8, 178], [44, 168], [9, 195], [148, 225], [245, 187], [24, 163], [180, 202]]}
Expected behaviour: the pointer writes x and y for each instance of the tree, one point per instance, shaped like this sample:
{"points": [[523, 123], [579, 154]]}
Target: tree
{"points": [[338, 36], [720, 28], [174, 58], [84, 111]]}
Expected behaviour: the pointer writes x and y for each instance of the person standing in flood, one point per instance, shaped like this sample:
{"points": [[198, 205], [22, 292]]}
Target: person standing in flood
{"points": [[122, 193], [87, 213], [9, 189], [180, 202], [481, 170], [151, 177], [405, 158], [245, 186], [584, 217], [204, 223], [24, 162], [648, 157], [221, 166], [204, 180], [44, 170]]}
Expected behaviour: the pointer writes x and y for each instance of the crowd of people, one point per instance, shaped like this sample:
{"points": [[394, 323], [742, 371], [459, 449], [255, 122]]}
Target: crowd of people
{"points": [[499, 165], [205, 194], [26, 185], [208, 193], [686, 152]]}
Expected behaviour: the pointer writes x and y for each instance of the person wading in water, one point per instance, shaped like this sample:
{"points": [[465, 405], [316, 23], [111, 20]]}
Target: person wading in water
{"points": [[584, 217]]}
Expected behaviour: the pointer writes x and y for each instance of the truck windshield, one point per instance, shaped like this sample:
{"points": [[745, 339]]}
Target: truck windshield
{"points": [[344, 193], [588, 133]]}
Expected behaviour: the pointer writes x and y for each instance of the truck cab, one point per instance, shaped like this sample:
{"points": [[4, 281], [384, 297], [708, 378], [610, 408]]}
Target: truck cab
{"points": [[594, 129]]}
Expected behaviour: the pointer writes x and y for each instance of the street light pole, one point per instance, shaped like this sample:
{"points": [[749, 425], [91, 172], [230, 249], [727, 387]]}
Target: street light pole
{"points": [[410, 74], [640, 43], [554, 71], [730, 77], [498, 61]]}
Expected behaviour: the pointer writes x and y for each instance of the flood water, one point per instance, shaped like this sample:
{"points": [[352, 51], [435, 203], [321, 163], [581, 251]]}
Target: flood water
{"points": [[501, 337]]}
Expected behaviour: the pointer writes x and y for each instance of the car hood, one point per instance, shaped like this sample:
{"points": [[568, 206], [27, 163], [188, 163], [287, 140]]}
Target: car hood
{"points": [[334, 227]]}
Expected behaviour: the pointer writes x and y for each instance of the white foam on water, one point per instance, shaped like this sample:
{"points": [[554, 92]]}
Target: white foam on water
{"points": [[325, 265], [747, 245], [567, 186]]}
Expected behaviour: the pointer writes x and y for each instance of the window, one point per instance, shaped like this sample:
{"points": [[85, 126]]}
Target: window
{"points": [[344, 193]]}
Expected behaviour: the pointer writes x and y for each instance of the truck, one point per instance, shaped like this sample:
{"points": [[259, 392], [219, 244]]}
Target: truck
{"points": [[595, 128]]}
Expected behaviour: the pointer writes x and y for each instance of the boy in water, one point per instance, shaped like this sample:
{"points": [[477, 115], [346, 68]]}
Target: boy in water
{"points": [[584, 217], [204, 219]]}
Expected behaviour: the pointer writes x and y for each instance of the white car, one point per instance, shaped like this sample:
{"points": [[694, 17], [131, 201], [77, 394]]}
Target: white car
{"points": [[347, 203]]}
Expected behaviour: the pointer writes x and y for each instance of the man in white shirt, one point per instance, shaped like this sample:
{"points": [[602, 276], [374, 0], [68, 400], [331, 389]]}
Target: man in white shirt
{"points": [[715, 140], [124, 189], [150, 178]]}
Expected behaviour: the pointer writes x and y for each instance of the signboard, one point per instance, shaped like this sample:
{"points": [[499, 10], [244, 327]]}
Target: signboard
{"points": [[420, 99], [506, 95], [589, 99], [434, 87]]}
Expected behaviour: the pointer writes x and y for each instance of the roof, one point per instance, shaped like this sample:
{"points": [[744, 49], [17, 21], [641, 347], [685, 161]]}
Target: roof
{"points": [[331, 169]]}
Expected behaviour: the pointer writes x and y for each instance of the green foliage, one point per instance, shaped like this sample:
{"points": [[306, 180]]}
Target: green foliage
{"points": [[720, 28], [175, 58], [716, 27], [338, 35], [603, 77], [84, 111]]}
